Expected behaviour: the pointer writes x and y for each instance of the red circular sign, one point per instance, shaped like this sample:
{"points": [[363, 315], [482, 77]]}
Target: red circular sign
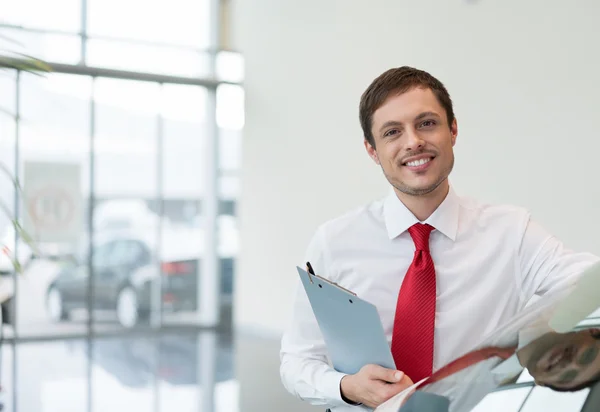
{"points": [[51, 208]]}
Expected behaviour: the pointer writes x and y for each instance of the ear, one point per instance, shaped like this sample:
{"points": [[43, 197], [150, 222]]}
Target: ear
{"points": [[371, 151], [454, 131]]}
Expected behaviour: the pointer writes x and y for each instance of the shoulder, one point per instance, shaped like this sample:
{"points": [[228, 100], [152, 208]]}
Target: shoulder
{"points": [[493, 213], [356, 219], [504, 222], [342, 233]]}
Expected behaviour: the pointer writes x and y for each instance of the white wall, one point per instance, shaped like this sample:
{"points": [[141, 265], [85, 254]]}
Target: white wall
{"points": [[524, 79]]}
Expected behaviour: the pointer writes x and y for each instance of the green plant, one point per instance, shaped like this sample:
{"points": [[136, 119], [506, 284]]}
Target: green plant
{"points": [[13, 60]]}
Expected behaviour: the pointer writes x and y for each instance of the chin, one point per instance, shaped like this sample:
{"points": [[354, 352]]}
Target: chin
{"points": [[416, 190], [421, 189]]}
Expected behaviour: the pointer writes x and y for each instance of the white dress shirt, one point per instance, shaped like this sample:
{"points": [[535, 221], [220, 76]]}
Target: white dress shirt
{"points": [[490, 260]]}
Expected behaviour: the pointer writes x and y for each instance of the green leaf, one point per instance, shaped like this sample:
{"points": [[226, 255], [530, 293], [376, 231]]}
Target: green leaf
{"points": [[26, 237], [12, 178], [35, 62], [27, 64]]}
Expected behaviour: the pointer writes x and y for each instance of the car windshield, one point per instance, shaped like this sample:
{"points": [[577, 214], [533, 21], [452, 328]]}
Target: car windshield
{"points": [[82, 251]]}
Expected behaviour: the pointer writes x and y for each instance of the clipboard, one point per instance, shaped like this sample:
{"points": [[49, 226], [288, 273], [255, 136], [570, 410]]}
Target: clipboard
{"points": [[351, 327]]}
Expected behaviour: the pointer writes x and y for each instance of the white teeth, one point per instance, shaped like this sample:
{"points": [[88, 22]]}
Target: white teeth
{"points": [[418, 162]]}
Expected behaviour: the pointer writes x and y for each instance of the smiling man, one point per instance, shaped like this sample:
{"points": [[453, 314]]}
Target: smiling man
{"points": [[564, 362], [443, 270]]}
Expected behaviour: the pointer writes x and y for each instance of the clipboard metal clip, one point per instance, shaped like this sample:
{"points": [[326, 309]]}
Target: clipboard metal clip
{"points": [[312, 273]]}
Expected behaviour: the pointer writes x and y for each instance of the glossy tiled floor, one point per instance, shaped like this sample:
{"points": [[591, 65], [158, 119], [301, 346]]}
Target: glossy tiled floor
{"points": [[163, 373]]}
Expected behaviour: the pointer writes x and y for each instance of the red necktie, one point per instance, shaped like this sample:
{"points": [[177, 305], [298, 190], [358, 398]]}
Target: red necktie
{"points": [[412, 338]]}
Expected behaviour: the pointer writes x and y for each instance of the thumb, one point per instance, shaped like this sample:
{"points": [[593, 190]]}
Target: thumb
{"points": [[387, 375]]}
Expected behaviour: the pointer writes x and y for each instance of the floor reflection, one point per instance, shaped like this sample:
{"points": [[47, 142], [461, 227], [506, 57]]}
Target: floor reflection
{"points": [[159, 373]]}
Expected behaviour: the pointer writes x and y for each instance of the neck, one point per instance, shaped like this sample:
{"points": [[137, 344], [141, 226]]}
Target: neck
{"points": [[423, 206]]}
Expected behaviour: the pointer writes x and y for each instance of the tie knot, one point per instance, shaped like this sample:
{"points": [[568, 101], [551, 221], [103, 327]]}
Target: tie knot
{"points": [[420, 235]]}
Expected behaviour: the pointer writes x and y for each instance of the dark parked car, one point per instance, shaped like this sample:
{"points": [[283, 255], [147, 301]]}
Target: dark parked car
{"points": [[127, 267]]}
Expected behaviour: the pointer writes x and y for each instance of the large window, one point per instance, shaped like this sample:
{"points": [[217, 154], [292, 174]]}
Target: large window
{"points": [[128, 156]]}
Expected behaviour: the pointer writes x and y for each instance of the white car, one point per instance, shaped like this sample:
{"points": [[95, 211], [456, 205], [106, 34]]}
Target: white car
{"points": [[124, 214]]}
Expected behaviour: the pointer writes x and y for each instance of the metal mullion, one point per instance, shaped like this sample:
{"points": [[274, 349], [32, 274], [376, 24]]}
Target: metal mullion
{"points": [[208, 83], [84, 32], [156, 309], [36, 29], [115, 39], [209, 292], [90, 279], [16, 237]]}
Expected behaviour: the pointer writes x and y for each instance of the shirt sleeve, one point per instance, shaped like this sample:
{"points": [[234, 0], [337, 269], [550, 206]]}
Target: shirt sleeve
{"points": [[305, 370], [546, 265]]}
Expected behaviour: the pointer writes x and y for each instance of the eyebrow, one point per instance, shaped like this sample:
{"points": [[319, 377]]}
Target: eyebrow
{"points": [[421, 116], [426, 114], [389, 123]]}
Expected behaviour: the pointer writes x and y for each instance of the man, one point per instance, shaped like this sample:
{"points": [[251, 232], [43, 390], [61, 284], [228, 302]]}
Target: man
{"points": [[443, 270], [564, 362]]}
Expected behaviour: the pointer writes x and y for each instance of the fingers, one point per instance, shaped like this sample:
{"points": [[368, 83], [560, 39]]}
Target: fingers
{"points": [[374, 385], [384, 374], [406, 381], [385, 391]]}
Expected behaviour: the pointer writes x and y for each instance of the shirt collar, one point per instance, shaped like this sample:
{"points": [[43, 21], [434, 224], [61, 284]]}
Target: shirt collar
{"points": [[444, 219]]}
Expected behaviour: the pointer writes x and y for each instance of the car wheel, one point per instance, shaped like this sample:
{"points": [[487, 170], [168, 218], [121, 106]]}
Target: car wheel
{"points": [[55, 305], [127, 307], [7, 312]]}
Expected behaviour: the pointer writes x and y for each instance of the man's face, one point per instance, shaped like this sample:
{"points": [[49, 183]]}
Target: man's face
{"points": [[565, 360], [413, 142]]}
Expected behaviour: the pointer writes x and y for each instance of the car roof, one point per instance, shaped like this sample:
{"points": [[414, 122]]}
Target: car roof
{"points": [[175, 244]]}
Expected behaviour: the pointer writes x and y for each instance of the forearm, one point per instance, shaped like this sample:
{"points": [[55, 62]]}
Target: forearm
{"points": [[311, 380], [546, 265]]}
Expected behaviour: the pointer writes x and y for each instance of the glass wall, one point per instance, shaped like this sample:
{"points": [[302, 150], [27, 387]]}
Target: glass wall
{"points": [[120, 153]]}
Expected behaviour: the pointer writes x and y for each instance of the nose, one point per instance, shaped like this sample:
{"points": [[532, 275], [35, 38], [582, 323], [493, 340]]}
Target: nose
{"points": [[414, 142]]}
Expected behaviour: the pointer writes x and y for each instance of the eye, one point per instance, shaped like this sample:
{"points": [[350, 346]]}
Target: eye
{"points": [[391, 132], [428, 123]]}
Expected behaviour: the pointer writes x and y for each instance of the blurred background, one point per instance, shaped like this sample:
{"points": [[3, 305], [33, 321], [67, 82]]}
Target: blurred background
{"points": [[128, 157], [178, 156]]}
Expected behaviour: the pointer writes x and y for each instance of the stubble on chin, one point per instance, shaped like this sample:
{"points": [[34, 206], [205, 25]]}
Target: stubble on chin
{"points": [[414, 191], [419, 191]]}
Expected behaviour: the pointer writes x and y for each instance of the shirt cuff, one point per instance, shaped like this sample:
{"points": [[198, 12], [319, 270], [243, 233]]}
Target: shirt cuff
{"points": [[332, 388]]}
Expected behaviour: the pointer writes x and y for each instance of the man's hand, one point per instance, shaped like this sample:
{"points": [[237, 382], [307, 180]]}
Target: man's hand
{"points": [[373, 385]]}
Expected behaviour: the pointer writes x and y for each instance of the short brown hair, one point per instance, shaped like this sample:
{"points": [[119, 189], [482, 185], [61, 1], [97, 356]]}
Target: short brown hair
{"points": [[397, 81]]}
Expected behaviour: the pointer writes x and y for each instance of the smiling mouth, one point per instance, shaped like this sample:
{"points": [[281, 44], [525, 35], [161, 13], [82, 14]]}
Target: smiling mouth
{"points": [[419, 162], [561, 357]]}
